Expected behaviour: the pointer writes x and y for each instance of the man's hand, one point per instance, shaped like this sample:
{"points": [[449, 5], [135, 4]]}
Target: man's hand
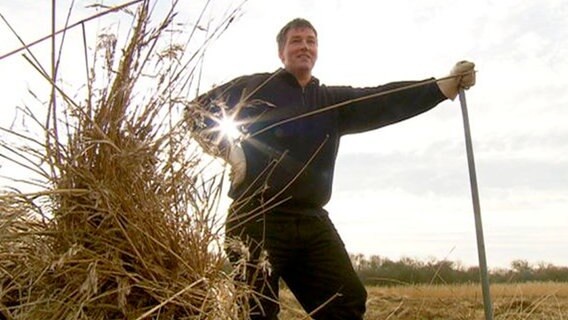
{"points": [[238, 163], [462, 76]]}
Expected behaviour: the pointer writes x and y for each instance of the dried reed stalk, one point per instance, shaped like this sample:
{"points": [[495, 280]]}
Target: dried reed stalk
{"points": [[126, 224]]}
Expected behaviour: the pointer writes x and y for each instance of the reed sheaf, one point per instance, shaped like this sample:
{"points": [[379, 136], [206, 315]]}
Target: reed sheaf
{"points": [[124, 224]]}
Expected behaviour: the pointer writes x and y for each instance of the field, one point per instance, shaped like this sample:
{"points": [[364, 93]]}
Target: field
{"points": [[534, 301]]}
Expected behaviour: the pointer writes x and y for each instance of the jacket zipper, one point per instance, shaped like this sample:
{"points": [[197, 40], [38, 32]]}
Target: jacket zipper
{"points": [[304, 103]]}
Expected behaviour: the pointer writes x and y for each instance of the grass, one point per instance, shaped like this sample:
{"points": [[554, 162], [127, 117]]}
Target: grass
{"points": [[534, 301], [124, 223]]}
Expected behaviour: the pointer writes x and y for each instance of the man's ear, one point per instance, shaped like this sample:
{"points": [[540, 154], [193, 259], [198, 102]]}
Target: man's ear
{"points": [[281, 54]]}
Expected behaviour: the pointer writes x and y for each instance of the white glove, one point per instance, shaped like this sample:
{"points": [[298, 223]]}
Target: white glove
{"points": [[238, 163], [462, 76], [465, 70]]}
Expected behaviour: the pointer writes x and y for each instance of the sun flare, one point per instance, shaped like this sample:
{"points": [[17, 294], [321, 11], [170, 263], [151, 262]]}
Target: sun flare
{"points": [[229, 128]]}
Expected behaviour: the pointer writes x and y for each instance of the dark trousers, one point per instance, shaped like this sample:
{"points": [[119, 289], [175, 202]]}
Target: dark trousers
{"points": [[308, 254]]}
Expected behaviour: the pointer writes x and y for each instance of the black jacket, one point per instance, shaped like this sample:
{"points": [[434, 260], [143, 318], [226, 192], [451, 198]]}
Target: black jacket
{"points": [[293, 163]]}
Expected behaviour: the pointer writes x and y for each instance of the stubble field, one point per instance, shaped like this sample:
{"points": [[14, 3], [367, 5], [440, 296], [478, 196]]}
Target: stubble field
{"points": [[534, 301]]}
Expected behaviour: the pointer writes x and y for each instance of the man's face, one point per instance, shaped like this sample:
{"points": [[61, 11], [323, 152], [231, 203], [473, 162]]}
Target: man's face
{"points": [[300, 50]]}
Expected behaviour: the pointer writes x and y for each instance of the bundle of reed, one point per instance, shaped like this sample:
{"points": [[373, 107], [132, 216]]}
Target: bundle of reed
{"points": [[126, 225]]}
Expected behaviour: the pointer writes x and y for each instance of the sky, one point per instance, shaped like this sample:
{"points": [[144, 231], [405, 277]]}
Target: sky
{"points": [[403, 190]]}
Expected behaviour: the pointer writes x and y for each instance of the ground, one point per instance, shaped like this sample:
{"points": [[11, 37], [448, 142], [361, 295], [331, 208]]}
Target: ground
{"points": [[534, 301]]}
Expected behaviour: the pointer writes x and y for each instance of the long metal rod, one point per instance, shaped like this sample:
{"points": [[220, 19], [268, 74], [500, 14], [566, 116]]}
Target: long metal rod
{"points": [[477, 212]]}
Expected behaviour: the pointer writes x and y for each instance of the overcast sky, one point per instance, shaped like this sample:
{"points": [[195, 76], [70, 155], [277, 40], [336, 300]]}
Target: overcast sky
{"points": [[404, 190]]}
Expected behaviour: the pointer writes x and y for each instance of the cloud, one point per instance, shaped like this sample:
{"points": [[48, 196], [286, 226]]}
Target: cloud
{"points": [[442, 168]]}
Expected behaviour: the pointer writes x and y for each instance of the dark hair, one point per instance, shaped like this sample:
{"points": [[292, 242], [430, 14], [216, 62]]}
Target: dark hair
{"points": [[296, 23]]}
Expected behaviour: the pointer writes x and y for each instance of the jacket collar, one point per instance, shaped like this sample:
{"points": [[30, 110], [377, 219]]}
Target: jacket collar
{"points": [[291, 79]]}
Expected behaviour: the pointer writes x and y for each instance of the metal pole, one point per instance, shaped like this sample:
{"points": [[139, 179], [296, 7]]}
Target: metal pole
{"points": [[477, 212]]}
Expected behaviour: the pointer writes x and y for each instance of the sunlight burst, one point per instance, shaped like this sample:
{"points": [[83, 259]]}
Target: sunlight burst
{"points": [[229, 128]]}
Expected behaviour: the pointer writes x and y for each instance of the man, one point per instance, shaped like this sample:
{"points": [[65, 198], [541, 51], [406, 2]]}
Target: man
{"points": [[283, 169]]}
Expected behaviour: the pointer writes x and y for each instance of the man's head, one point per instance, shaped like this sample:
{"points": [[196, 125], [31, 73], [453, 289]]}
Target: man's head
{"points": [[298, 46]]}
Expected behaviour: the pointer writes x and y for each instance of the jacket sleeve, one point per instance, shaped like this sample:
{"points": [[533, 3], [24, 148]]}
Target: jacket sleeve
{"points": [[379, 110], [202, 116]]}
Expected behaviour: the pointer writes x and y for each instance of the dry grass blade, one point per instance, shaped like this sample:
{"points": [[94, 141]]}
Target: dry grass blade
{"points": [[27, 46]]}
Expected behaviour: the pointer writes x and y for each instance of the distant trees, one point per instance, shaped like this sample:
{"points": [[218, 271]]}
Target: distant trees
{"points": [[522, 271], [376, 270]]}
